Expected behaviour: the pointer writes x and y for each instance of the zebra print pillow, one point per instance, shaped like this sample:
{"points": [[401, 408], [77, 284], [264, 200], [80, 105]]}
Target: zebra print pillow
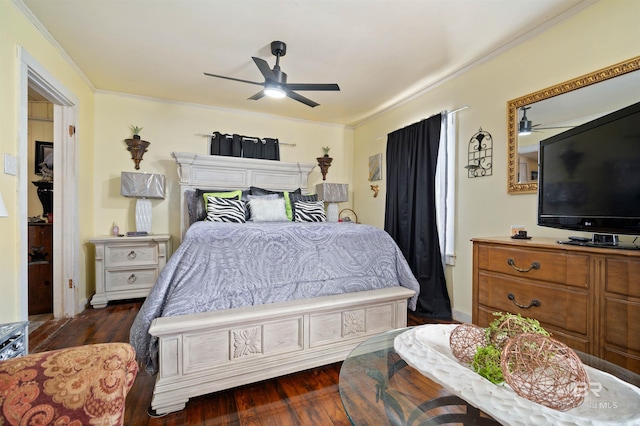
{"points": [[225, 210], [310, 211]]}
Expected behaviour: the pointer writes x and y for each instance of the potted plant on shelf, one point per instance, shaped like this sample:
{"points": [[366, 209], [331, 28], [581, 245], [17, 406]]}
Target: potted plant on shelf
{"points": [[324, 162], [136, 146]]}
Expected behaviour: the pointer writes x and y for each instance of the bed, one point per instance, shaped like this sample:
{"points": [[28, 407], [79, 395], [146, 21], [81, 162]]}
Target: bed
{"points": [[302, 295]]}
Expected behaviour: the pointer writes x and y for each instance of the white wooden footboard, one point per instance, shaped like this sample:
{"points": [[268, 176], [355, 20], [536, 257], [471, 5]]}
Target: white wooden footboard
{"points": [[212, 351]]}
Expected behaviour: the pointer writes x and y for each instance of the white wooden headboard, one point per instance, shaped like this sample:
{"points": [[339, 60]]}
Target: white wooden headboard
{"points": [[215, 172]]}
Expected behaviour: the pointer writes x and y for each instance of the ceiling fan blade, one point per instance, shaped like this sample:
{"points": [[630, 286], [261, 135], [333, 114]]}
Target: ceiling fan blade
{"points": [[300, 98], [257, 96], [263, 66], [312, 86], [234, 79]]}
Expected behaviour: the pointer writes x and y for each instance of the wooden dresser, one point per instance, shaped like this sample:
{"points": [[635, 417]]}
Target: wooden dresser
{"points": [[588, 298], [40, 268]]}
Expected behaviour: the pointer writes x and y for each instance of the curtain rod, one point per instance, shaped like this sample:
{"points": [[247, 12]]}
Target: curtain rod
{"points": [[208, 135], [458, 109]]}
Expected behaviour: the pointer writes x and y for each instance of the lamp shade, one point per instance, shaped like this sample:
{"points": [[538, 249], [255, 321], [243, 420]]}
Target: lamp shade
{"points": [[3, 208], [333, 192], [142, 185]]}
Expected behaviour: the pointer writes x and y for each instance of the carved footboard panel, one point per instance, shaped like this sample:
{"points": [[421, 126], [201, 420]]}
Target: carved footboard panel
{"points": [[212, 351]]}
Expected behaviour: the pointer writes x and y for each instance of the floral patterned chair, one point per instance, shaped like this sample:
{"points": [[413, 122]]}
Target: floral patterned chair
{"points": [[84, 385]]}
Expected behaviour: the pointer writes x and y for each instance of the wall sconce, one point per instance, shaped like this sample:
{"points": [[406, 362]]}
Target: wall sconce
{"points": [[480, 154], [3, 208], [142, 186], [332, 193], [137, 147], [324, 163]]}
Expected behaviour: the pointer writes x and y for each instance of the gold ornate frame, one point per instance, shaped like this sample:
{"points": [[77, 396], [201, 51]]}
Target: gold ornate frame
{"points": [[513, 187]]}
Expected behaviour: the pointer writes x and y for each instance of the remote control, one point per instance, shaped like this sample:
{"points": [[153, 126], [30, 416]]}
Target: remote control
{"points": [[579, 239]]}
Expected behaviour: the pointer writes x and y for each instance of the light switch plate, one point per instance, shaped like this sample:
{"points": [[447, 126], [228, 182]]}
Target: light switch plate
{"points": [[10, 165]]}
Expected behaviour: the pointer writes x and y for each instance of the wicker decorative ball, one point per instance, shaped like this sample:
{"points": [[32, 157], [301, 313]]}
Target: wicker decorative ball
{"points": [[465, 339], [544, 370]]}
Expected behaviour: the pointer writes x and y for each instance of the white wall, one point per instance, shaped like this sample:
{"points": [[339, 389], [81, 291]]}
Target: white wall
{"points": [[601, 35]]}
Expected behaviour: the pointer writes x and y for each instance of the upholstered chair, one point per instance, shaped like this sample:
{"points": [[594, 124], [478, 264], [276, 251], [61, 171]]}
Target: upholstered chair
{"points": [[84, 385]]}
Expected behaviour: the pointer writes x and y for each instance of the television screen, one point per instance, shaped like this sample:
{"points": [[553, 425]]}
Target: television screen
{"points": [[589, 176]]}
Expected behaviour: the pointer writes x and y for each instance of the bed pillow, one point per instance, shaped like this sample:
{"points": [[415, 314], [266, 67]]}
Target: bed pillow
{"points": [[284, 194], [264, 210], [229, 210], [256, 197], [228, 194], [294, 198], [195, 206], [310, 211]]}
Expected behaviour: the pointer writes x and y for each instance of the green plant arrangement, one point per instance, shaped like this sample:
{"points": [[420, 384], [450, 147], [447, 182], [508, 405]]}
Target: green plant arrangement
{"points": [[486, 361], [325, 150], [136, 131]]}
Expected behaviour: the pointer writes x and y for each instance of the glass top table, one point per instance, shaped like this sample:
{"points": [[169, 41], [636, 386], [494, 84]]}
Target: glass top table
{"points": [[377, 387]]}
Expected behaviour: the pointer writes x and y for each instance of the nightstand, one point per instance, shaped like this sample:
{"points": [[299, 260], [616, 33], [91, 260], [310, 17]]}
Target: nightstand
{"points": [[13, 340], [127, 267]]}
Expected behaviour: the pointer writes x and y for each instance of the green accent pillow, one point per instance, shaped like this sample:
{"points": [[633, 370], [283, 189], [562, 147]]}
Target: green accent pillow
{"points": [[230, 194], [287, 206]]}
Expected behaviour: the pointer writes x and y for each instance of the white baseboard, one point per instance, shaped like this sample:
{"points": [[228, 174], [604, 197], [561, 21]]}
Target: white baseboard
{"points": [[461, 316]]}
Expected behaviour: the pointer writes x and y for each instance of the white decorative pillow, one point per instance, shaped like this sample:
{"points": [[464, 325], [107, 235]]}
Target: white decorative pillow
{"points": [[265, 210], [310, 211], [225, 210]]}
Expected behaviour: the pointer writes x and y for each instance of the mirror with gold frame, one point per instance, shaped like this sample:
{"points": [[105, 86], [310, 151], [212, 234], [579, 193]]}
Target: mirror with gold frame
{"points": [[608, 89]]}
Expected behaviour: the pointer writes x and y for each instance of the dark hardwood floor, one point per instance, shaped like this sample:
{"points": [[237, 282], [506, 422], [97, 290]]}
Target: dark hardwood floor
{"points": [[307, 398]]}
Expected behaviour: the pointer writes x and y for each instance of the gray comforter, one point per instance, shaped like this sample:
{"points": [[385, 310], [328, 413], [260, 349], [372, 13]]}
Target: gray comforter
{"points": [[222, 266]]}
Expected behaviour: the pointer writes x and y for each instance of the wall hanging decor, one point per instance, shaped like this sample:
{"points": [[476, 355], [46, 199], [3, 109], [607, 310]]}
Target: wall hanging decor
{"points": [[480, 154], [136, 146], [324, 162], [375, 167]]}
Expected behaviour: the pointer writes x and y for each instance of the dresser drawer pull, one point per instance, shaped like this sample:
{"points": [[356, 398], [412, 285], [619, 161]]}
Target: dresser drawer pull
{"points": [[132, 255], [534, 302], [512, 263], [132, 279]]}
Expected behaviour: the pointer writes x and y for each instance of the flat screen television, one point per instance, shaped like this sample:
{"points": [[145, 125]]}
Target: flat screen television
{"points": [[589, 176]]}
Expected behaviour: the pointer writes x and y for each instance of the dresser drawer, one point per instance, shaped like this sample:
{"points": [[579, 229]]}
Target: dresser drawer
{"points": [[126, 255], [622, 323], [536, 264], [130, 279], [559, 306], [622, 277]]}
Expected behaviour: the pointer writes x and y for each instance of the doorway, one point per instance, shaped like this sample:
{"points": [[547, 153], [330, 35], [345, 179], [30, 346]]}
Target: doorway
{"points": [[65, 230], [40, 208]]}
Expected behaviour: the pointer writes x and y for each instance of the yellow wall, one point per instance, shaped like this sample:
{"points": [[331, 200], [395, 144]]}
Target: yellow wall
{"points": [[16, 30], [40, 129], [601, 35], [172, 126]]}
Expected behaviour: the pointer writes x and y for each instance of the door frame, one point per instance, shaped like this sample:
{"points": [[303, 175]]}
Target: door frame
{"points": [[65, 186]]}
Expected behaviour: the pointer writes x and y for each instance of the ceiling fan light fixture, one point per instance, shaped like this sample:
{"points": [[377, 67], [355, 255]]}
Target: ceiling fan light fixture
{"points": [[525, 127], [274, 92]]}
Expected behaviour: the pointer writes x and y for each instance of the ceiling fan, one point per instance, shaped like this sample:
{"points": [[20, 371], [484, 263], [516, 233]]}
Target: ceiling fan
{"points": [[525, 127], [275, 81]]}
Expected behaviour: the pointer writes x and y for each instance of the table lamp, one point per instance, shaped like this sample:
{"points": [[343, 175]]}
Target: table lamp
{"points": [[332, 193], [142, 186]]}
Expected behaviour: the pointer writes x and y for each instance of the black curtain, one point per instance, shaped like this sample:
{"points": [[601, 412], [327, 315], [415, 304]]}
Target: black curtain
{"points": [[243, 146], [410, 210], [266, 149], [222, 144]]}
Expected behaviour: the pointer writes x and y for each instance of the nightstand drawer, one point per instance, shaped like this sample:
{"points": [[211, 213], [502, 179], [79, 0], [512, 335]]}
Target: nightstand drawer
{"points": [[126, 255], [130, 279]]}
